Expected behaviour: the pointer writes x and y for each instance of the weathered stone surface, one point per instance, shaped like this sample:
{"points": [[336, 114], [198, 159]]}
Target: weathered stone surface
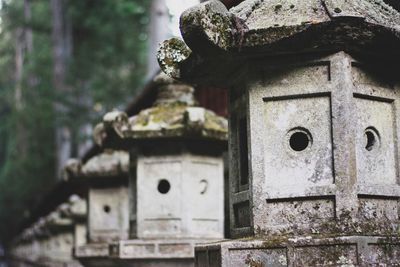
{"points": [[108, 199], [92, 250], [110, 163], [208, 26], [56, 222], [174, 196], [172, 184], [313, 165], [108, 213], [71, 169], [313, 130], [155, 253], [174, 114], [50, 241], [256, 29], [77, 208], [155, 249], [324, 162], [307, 251], [171, 54]]}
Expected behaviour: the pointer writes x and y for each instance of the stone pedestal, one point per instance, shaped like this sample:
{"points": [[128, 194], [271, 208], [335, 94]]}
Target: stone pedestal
{"points": [[94, 254], [301, 251], [155, 253]]}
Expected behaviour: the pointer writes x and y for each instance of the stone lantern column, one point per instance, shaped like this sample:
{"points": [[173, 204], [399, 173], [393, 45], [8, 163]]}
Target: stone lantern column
{"points": [[76, 209], [59, 243], [176, 177], [106, 178], [48, 242], [25, 248], [314, 127]]}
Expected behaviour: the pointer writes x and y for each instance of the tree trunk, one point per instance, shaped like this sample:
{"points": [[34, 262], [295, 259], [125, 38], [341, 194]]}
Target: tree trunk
{"points": [[19, 65], [158, 32], [28, 29], [61, 38], [23, 47]]}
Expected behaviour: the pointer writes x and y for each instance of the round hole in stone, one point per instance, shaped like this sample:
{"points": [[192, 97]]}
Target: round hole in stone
{"points": [[299, 140], [106, 209], [163, 186], [371, 137]]}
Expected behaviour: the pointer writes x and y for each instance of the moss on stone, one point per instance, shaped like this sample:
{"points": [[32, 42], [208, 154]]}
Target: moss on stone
{"points": [[170, 54]]}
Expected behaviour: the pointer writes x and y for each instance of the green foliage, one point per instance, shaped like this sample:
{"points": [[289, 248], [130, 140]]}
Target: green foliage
{"points": [[109, 48], [107, 64]]}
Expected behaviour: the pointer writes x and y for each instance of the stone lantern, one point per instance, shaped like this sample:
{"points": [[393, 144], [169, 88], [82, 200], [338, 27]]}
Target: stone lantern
{"points": [[314, 127], [176, 183], [50, 240], [57, 245], [106, 177], [76, 209], [25, 248]]}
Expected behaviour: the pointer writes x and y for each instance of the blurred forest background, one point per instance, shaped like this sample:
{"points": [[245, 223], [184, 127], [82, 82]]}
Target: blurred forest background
{"points": [[63, 64]]}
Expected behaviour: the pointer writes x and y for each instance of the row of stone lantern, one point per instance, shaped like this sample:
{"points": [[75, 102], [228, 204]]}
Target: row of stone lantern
{"points": [[49, 241], [106, 179], [150, 207], [314, 127], [157, 187]]}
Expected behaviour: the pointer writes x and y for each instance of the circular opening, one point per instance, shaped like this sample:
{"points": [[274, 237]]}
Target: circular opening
{"points": [[337, 10], [106, 209], [371, 138], [163, 186], [299, 140]]}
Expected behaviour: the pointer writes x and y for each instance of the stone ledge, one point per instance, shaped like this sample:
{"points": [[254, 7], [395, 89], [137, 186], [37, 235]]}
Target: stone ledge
{"points": [[92, 250], [305, 251], [154, 249]]}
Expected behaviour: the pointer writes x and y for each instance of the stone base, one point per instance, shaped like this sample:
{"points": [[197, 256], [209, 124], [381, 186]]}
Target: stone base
{"points": [[155, 253], [147, 249], [19, 262], [139, 253], [96, 254], [92, 251], [306, 251]]}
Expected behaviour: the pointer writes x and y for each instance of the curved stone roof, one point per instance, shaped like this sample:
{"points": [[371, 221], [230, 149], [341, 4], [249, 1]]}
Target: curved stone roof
{"points": [[258, 14], [110, 163], [213, 34], [174, 114], [76, 208]]}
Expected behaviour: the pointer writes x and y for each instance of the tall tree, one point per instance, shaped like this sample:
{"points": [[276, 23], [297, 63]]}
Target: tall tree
{"points": [[158, 32], [63, 64], [61, 38]]}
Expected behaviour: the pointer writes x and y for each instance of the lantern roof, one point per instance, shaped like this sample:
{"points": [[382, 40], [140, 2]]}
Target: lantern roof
{"points": [[174, 114], [218, 40], [108, 164]]}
